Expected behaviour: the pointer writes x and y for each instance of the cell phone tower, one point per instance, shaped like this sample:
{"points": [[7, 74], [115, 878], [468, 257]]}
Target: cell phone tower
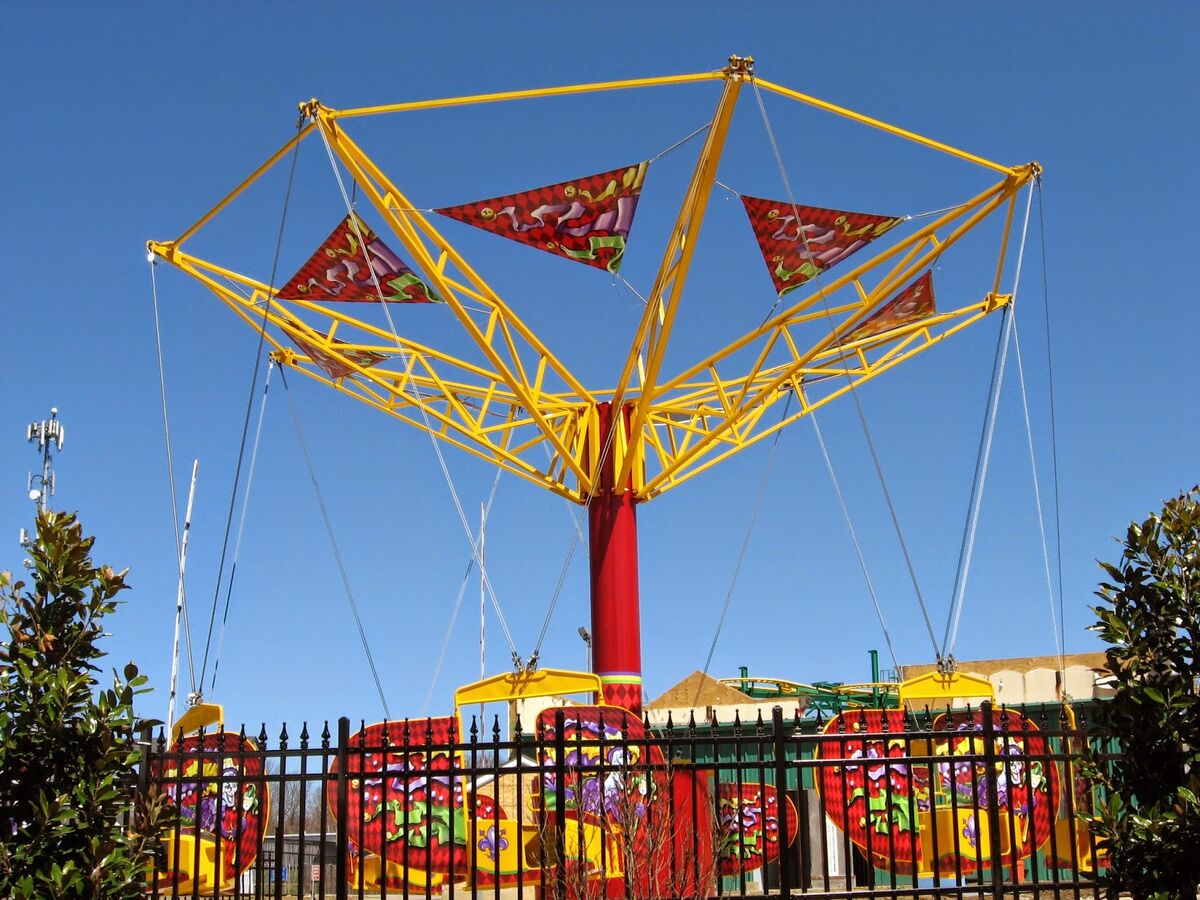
{"points": [[49, 435]]}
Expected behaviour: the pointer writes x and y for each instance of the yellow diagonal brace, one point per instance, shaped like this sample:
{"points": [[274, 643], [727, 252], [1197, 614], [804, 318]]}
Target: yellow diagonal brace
{"points": [[250, 179], [654, 330]]}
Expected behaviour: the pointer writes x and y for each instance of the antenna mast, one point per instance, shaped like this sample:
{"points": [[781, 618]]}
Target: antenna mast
{"points": [[49, 435]]}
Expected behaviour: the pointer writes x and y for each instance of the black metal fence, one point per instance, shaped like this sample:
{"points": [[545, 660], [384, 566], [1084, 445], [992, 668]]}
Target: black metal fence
{"points": [[966, 803]]}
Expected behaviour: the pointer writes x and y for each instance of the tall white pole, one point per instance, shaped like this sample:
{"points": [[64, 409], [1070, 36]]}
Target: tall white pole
{"points": [[482, 594], [482, 605], [179, 595]]}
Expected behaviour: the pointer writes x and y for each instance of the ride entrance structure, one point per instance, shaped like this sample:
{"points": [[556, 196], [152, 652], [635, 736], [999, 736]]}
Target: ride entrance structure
{"points": [[517, 406], [853, 298]]}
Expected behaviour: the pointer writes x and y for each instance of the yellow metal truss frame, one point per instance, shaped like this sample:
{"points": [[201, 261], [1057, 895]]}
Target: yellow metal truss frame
{"points": [[520, 407]]}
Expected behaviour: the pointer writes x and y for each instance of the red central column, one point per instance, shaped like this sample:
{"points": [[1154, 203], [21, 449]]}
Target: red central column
{"points": [[612, 538]]}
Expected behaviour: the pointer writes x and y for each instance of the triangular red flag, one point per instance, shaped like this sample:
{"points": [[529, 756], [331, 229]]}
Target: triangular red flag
{"points": [[340, 270], [912, 303], [795, 252], [333, 366], [587, 220]]}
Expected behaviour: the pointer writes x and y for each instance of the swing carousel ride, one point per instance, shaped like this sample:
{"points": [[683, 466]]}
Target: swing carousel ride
{"points": [[854, 296]]}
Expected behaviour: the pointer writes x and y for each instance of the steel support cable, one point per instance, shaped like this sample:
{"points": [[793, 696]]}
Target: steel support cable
{"points": [[441, 657], [967, 549], [1037, 492], [337, 554], [679, 143], [162, 390], [982, 457], [462, 590], [237, 544], [262, 335], [862, 561], [462, 517], [862, 416], [737, 568], [910, 217], [235, 287], [1062, 620]]}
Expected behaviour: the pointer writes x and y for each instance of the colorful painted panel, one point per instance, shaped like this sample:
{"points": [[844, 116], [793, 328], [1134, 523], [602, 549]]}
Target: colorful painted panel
{"points": [[1024, 781], [587, 219], [913, 303], [799, 242], [748, 819], [652, 811], [900, 814], [496, 845], [608, 765], [218, 787], [346, 267], [403, 805], [875, 796], [334, 366]]}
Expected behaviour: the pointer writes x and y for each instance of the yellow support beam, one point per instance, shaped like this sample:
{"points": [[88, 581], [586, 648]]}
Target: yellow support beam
{"points": [[531, 94], [884, 126]]}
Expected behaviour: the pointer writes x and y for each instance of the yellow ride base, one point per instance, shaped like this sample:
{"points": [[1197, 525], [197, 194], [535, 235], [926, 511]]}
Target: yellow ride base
{"points": [[196, 869]]}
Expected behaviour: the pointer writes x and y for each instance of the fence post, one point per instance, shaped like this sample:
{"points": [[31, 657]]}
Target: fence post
{"points": [[146, 741], [143, 777], [341, 840], [781, 795], [560, 803], [993, 800]]}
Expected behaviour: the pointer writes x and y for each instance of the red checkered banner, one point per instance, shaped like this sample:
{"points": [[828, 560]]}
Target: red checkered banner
{"points": [[347, 266], [587, 219], [800, 242], [333, 366], [913, 303]]}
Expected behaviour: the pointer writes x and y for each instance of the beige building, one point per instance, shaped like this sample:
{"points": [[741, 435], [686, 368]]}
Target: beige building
{"points": [[1036, 679]]}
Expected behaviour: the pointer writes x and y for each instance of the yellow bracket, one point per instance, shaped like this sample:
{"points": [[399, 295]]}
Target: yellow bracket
{"points": [[942, 689], [523, 685], [202, 715]]}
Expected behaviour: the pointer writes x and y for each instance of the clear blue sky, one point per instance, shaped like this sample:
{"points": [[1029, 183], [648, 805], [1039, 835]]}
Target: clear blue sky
{"points": [[127, 122]]}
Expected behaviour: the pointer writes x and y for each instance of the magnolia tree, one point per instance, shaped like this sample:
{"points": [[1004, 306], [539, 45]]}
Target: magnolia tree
{"points": [[69, 824], [1150, 617]]}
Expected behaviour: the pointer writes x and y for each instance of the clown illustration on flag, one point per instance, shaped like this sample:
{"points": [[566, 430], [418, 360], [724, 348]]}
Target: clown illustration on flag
{"points": [[799, 242], [347, 267], [913, 303], [587, 219]]}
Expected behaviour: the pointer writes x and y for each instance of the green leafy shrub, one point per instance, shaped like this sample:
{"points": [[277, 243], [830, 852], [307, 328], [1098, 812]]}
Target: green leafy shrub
{"points": [[1150, 617], [68, 823]]}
